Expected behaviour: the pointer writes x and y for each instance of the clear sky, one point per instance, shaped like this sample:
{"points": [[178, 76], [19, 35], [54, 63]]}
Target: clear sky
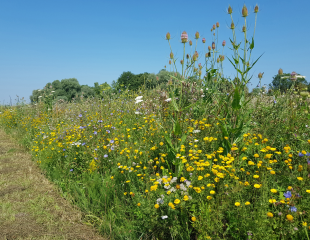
{"points": [[97, 40]]}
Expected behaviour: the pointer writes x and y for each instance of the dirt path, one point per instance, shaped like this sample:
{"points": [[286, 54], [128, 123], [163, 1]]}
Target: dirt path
{"points": [[30, 206]]}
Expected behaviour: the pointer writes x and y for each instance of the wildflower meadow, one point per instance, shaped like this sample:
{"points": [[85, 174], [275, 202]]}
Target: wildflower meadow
{"points": [[200, 159]]}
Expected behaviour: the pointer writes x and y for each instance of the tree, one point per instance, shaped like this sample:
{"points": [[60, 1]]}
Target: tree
{"points": [[71, 86], [283, 84]]}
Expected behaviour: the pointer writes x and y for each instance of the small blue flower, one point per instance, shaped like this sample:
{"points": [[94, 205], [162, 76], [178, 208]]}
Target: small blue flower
{"points": [[108, 131], [63, 149], [96, 158], [308, 154], [300, 155], [95, 149], [112, 141], [287, 194], [81, 127], [100, 121], [80, 115], [95, 132], [275, 101], [71, 170], [293, 209], [112, 148], [83, 144], [105, 155]]}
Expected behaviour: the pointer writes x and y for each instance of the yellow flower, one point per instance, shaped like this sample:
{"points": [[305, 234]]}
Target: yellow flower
{"points": [[156, 206], [193, 219], [112, 177], [168, 192], [273, 190], [139, 204], [161, 143], [255, 176], [185, 198], [171, 205], [304, 224], [269, 214], [247, 203], [289, 188], [308, 191], [272, 200], [256, 185], [212, 192], [177, 201], [146, 191], [237, 204], [128, 181], [256, 155], [289, 217], [200, 177], [209, 197], [125, 193], [300, 178], [272, 172]]}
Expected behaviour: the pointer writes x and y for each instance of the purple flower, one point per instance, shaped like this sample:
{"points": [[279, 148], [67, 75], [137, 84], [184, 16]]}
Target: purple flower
{"points": [[80, 127], [293, 209], [80, 115], [111, 114], [300, 155], [275, 101], [100, 121], [287, 194], [96, 158], [112, 148], [71, 170], [105, 155], [112, 141], [308, 162], [63, 149], [113, 127], [308, 154], [83, 144], [108, 131], [95, 132]]}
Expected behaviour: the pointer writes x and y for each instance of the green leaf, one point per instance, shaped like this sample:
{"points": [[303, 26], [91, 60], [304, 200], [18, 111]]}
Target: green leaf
{"points": [[177, 129], [252, 44], [236, 101]]}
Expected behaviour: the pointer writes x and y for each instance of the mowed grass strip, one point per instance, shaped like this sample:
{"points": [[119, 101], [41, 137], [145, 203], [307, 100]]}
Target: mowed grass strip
{"points": [[30, 206]]}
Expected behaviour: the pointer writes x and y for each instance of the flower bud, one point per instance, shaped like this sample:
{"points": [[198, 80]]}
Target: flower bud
{"points": [[244, 29], [232, 26], [184, 37], [224, 43], [211, 29], [256, 9], [293, 76], [194, 57], [244, 11], [260, 75], [280, 72], [214, 27], [209, 48], [169, 62], [168, 36], [218, 60], [187, 56], [222, 58], [171, 55], [217, 25], [196, 53], [197, 35], [213, 45], [190, 42], [229, 11], [181, 62], [204, 40]]}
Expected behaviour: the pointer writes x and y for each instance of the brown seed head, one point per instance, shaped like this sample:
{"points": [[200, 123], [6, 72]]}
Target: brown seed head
{"points": [[213, 45], [218, 60], [244, 11], [181, 61], [256, 9], [232, 26], [209, 48], [204, 40], [171, 55], [217, 25], [229, 11], [190, 42], [224, 43], [184, 37], [187, 56], [197, 36], [222, 58], [168, 36], [169, 62], [280, 72], [244, 29], [214, 26], [260, 75]]}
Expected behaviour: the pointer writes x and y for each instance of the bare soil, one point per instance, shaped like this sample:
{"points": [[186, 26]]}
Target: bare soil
{"points": [[31, 207]]}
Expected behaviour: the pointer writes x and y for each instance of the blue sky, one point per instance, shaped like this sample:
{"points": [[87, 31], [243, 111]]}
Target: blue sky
{"points": [[96, 41]]}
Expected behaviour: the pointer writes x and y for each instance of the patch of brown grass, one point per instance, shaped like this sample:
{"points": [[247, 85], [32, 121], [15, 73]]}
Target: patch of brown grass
{"points": [[30, 206]]}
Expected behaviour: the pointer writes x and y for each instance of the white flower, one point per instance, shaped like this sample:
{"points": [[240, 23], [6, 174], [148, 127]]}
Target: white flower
{"points": [[196, 140], [167, 186], [196, 131], [39, 90], [138, 113], [202, 95], [187, 183], [182, 187], [164, 217], [134, 164], [172, 189], [168, 100], [40, 96], [138, 98], [139, 101], [306, 125], [53, 91], [160, 201]]}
